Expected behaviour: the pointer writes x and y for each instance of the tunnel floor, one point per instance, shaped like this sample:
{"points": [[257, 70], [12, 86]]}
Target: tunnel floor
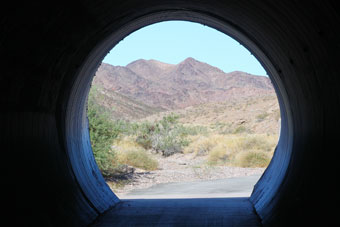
{"points": [[181, 212]]}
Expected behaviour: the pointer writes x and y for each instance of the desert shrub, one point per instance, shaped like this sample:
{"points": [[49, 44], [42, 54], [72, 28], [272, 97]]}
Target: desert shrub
{"points": [[138, 158], [252, 159], [218, 154], [170, 136], [236, 150], [257, 142], [129, 152], [169, 142], [126, 143], [201, 145], [102, 133], [144, 133], [166, 136]]}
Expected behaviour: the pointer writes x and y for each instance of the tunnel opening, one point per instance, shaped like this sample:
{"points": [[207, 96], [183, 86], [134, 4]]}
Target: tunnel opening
{"points": [[214, 132], [79, 147], [45, 125]]}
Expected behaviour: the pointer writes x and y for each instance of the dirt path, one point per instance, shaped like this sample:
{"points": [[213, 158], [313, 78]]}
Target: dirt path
{"points": [[181, 168]]}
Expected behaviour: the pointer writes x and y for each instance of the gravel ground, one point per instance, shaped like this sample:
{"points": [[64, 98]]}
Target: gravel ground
{"points": [[182, 168]]}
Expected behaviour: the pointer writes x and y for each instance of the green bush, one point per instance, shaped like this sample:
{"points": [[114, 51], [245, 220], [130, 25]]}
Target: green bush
{"points": [[144, 132], [169, 137], [166, 136], [169, 142], [102, 133]]}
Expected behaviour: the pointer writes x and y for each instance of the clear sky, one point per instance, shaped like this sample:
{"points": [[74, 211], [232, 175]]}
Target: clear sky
{"points": [[173, 41]]}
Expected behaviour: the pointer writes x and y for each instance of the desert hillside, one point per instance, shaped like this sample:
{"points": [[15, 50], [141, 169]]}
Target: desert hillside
{"points": [[252, 115], [186, 84], [198, 92]]}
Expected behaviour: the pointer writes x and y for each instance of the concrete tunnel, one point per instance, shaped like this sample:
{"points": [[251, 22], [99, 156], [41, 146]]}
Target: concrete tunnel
{"points": [[51, 50]]}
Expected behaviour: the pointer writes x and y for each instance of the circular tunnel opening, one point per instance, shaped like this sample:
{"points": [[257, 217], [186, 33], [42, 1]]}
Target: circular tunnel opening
{"points": [[77, 137], [182, 102], [45, 123]]}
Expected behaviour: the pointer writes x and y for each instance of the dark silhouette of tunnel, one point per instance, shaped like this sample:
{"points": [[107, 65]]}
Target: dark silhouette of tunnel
{"points": [[51, 50]]}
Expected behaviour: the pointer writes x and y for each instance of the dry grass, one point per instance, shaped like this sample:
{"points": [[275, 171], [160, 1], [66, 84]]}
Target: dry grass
{"points": [[201, 145], [252, 159], [132, 154], [244, 150]]}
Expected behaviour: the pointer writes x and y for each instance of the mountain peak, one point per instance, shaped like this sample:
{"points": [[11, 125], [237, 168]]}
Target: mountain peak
{"points": [[149, 69], [149, 63], [192, 65], [189, 60], [139, 61], [153, 62]]}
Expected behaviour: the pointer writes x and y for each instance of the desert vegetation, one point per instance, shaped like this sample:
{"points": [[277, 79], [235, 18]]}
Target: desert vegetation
{"points": [[135, 125], [118, 143], [243, 150]]}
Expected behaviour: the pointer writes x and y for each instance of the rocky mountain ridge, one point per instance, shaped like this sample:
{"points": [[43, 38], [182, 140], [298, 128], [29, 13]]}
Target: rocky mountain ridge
{"points": [[188, 83]]}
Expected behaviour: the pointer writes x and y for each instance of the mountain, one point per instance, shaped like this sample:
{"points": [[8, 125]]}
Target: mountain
{"points": [[160, 86], [120, 106]]}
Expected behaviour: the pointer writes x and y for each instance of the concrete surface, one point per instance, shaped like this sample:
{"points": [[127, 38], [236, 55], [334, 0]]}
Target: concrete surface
{"points": [[181, 212], [231, 187]]}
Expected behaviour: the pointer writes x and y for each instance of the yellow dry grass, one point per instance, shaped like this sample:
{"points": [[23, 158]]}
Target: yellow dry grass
{"points": [[130, 153], [244, 150]]}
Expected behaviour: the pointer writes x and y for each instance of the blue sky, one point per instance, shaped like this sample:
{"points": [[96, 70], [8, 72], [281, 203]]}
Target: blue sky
{"points": [[174, 41]]}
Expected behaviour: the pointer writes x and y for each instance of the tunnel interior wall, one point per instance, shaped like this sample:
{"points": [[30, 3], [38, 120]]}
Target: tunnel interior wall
{"points": [[45, 46]]}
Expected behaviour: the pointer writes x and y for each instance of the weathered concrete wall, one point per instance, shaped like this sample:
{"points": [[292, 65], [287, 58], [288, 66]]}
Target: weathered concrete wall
{"points": [[50, 50]]}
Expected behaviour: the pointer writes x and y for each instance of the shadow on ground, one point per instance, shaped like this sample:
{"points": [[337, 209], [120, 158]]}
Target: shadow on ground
{"points": [[181, 212]]}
